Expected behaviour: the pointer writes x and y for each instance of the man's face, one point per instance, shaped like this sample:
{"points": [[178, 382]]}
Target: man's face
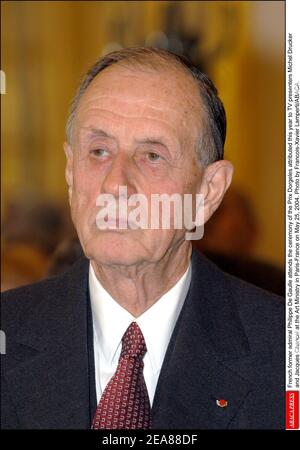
{"points": [[134, 128]]}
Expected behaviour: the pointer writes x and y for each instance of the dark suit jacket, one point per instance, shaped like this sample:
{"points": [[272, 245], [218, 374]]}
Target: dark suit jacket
{"points": [[228, 343]]}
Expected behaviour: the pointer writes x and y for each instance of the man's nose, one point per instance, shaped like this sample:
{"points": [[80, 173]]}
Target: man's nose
{"points": [[119, 174]]}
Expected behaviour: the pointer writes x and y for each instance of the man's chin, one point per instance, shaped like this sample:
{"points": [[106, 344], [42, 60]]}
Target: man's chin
{"points": [[113, 248]]}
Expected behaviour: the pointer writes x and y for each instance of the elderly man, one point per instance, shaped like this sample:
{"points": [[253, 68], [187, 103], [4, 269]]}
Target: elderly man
{"points": [[143, 333]]}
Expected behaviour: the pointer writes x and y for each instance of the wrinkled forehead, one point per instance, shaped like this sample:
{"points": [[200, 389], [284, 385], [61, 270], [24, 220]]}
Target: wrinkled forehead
{"points": [[167, 93], [168, 78]]}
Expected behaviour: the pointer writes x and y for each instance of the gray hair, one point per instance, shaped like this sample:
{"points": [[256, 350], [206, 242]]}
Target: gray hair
{"points": [[210, 146]]}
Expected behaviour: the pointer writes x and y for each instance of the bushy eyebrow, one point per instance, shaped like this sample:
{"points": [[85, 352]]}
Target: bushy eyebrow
{"points": [[98, 132], [153, 141]]}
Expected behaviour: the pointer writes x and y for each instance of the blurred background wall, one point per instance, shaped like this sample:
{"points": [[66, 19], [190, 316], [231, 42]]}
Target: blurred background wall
{"points": [[48, 46]]}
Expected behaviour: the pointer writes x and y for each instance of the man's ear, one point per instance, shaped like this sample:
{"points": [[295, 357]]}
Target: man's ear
{"points": [[215, 182], [69, 168]]}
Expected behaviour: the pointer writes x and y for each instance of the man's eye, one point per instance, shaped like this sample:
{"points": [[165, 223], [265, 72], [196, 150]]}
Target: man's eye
{"points": [[152, 156], [99, 152]]}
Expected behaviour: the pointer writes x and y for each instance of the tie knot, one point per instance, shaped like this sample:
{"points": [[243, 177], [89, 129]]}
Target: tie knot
{"points": [[133, 343]]}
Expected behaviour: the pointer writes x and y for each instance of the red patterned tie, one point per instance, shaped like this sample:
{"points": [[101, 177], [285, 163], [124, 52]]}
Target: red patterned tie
{"points": [[125, 403]]}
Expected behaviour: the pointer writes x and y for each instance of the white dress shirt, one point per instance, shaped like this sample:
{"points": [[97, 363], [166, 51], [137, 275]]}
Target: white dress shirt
{"points": [[110, 321]]}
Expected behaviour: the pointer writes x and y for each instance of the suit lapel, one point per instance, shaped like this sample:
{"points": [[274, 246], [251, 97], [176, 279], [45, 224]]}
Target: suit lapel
{"points": [[53, 371], [195, 374]]}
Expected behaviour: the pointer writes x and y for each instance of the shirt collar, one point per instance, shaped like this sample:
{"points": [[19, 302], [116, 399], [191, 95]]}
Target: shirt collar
{"points": [[157, 323]]}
